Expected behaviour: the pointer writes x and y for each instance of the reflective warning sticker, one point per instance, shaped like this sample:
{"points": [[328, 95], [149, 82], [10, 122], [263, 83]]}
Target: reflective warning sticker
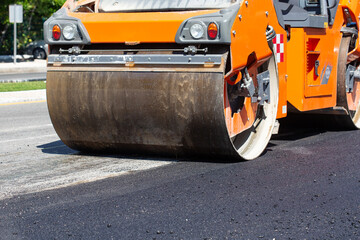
{"points": [[279, 47]]}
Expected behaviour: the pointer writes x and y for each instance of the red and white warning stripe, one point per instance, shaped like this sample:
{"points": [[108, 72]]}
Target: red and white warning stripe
{"points": [[279, 47]]}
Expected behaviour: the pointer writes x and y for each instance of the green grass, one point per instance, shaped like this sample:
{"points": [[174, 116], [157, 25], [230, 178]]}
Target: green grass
{"points": [[22, 86]]}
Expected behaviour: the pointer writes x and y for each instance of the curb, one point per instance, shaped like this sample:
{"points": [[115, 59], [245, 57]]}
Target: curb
{"points": [[10, 58], [29, 66], [22, 96]]}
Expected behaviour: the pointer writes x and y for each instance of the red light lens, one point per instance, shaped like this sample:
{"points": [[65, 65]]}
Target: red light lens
{"points": [[56, 32], [212, 30]]}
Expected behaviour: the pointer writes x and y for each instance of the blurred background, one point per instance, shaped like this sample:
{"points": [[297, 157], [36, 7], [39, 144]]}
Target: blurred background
{"points": [[30, 32]]}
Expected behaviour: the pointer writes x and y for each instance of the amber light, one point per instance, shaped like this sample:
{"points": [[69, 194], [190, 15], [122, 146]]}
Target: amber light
{"points": [[56, 32], [212, 30]]}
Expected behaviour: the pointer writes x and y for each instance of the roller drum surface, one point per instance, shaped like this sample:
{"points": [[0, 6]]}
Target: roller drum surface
{"points": [[172, 113]]}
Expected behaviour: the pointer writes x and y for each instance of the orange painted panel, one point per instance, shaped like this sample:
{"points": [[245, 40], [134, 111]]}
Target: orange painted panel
{"points": [[282, 67], [248, 37], [320, 49], [248, 32], [308, 89], [242, 120], [146, 27], [295, 59]]}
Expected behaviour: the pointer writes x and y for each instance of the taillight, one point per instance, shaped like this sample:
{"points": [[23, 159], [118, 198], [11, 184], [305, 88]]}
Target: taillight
{"points": [[56, 32], [212, 30]]}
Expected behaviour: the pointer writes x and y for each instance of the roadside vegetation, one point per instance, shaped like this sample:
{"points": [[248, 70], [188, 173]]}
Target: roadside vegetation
{"points": [[35, 12], [22, 86]]}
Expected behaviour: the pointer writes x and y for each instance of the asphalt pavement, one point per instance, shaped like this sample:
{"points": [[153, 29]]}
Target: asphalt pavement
{"points": [[33, 159], [305, 186]]}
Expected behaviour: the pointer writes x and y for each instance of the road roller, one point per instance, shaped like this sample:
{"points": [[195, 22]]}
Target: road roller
{"points": [[206, 78]]}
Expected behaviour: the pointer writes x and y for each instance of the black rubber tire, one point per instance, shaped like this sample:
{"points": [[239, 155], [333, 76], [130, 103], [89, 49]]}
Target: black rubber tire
{"points": [[39, 53]]}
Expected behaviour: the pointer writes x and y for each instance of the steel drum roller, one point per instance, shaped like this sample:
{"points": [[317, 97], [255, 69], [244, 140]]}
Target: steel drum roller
{"points": [[172, 113]]}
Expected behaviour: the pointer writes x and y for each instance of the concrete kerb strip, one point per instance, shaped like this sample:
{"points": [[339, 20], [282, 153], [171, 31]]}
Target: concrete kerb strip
{"points": [[22, 96], [19, 58], [25, 66]]}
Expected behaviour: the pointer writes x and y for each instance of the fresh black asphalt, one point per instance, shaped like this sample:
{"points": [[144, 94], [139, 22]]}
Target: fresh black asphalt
{"points": [[306, 186]]}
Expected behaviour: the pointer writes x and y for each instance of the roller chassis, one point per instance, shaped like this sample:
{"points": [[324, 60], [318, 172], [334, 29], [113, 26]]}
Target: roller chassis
{"points": [[171, 93]]}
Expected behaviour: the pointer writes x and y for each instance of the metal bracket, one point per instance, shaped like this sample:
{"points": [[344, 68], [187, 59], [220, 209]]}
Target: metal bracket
{"points": [[187, 50], [348, 31], [350, 76], [247, 87], [193, 50], [263, 80], [146, 59]]}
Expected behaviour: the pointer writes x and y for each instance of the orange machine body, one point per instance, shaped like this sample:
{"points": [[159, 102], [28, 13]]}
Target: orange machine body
{"points": [[148, 27], [300, 83], [263, 58], [248, 48], [307, 86]]}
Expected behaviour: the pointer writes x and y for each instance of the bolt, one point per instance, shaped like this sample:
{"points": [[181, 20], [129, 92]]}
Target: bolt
{"points": [[234, 32], [267, 13], [240, 17], [246, 3]]}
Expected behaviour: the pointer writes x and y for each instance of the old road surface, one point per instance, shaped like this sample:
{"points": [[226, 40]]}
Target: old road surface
{"points": [[306, 186]]}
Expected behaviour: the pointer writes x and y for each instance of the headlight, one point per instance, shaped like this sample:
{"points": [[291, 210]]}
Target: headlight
{"points": [[69, 32], [197, 31]]}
